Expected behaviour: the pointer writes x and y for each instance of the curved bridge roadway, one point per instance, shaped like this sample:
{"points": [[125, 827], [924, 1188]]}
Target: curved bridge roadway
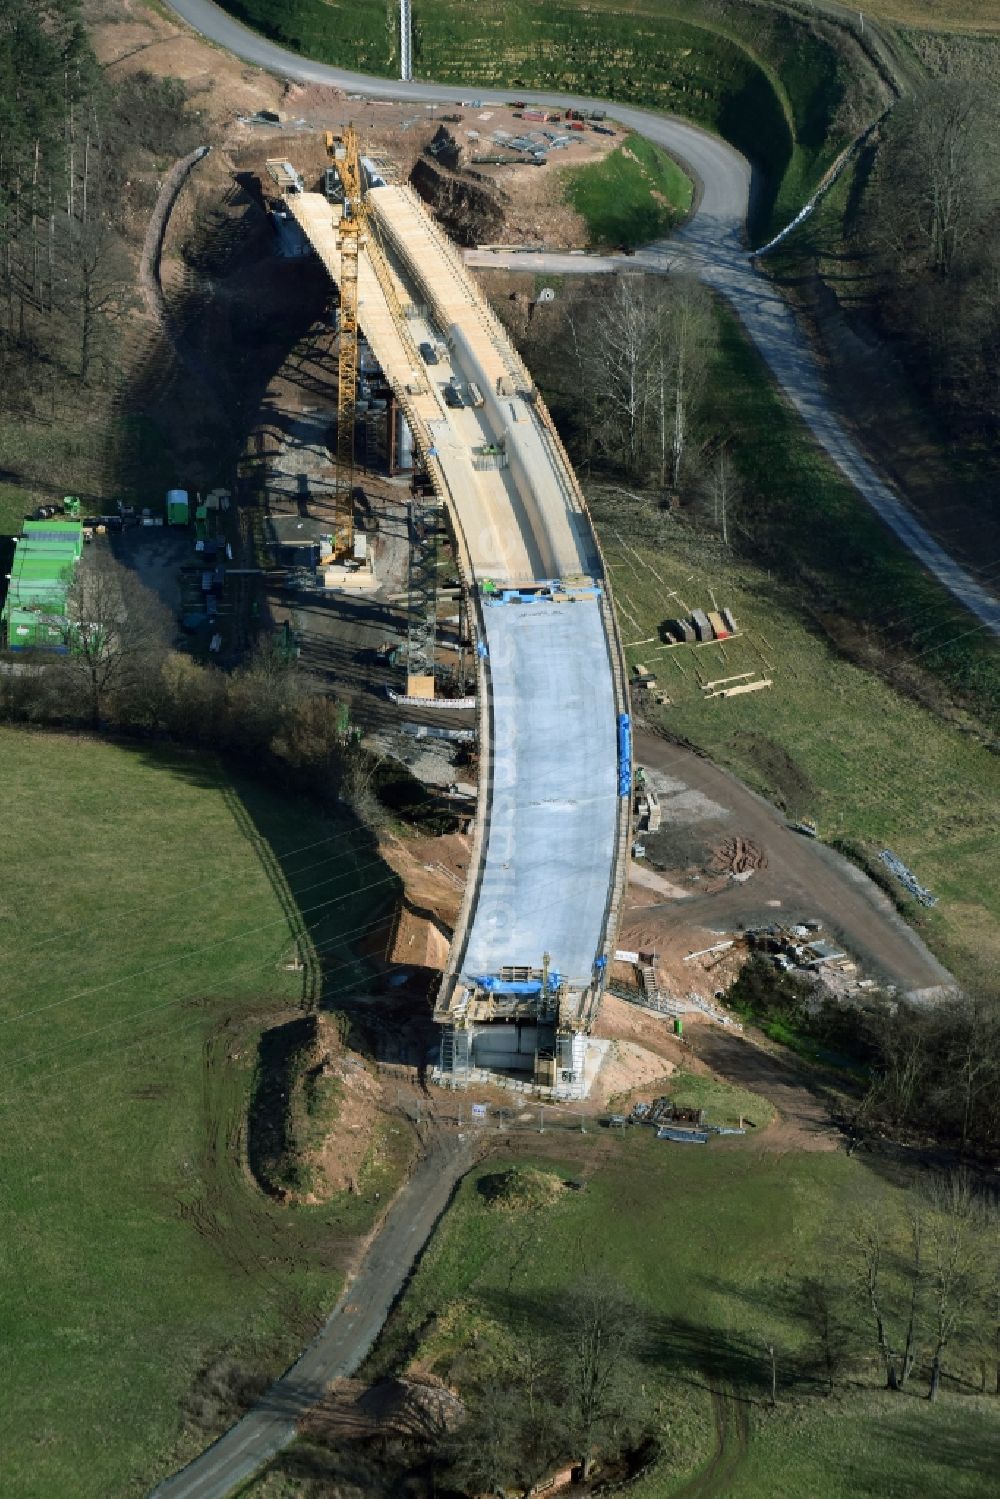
{"points": [[548, 861], [711, 245]]}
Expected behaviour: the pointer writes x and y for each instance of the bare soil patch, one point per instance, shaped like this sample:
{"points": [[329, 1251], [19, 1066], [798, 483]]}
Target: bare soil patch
{"points": [[801, 1098], [712, 819], [129, 36], [434, 871], [629, 1068]]}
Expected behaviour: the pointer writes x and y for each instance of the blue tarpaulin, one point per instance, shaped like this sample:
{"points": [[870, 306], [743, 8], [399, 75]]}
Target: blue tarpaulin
{"points": [[508, 986], [494, 985]]}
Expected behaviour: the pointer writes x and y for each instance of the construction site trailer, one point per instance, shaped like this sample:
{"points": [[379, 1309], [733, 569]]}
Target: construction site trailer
{"points": [[45, 558], [61, 531], [32, 629]]}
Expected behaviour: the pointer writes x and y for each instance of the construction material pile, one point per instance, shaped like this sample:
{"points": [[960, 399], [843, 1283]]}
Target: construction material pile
{"points": [[738, 857], [907, 878], [699, 626], [665, 1111]]}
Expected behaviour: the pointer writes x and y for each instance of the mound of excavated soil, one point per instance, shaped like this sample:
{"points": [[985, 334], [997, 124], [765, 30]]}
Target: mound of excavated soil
{"points": [[421, 1407], [521, 1189], [337, 1161], [738, 856], [314, 1113], [472, 212]]}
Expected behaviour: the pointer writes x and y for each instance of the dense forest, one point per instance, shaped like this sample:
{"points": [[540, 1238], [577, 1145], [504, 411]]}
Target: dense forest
{"points": [[930, 226], [68, 143]]}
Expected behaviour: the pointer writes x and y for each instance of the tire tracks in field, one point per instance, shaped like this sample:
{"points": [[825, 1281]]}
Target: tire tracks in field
{"points": [[732, 1442]]}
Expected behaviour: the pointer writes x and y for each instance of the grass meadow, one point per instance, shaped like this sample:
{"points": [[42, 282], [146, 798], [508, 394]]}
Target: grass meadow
{"points": [[829, 740], [938, 15], [636, 194], [149, 908], [714, 1245]]}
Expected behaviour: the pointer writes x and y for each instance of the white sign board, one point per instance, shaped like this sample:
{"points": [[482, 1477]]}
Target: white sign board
{"points": [[479, 1111], [621, 956]]}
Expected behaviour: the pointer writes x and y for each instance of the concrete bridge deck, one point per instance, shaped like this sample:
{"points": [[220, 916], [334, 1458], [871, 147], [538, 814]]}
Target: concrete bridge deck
{"points": [[552, 830]]}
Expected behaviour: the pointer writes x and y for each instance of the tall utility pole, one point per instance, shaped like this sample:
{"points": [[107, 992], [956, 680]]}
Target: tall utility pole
{"points": [[345, 153], [405, 41]]}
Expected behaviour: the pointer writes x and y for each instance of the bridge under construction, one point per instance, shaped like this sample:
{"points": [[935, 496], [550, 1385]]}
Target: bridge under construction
{"points": [[549, 860]]}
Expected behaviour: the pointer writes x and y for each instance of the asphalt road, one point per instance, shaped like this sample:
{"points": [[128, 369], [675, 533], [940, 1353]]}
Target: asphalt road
{"points": [[705, 248], [711, 245], [345, 1340]]}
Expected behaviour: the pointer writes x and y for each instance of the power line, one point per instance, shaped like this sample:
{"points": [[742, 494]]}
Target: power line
{"points": [[202, 989], [191, 994], [944, 644], [10, 1101], [195, 952], [119, 915]]}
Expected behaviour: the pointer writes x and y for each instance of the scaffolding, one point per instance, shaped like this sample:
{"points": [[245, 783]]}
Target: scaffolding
{"points": [[425, 533]]}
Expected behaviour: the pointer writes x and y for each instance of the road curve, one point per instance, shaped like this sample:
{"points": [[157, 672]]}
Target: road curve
{"points": [[711, 245], [723, 174], [344, 1341]]}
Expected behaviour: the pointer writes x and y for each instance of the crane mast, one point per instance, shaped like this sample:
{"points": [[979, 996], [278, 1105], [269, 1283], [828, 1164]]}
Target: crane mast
{"points": [[344, 150]]}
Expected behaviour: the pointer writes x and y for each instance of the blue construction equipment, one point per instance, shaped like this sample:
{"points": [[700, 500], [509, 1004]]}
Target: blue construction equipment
{"points": [[624, 755]]}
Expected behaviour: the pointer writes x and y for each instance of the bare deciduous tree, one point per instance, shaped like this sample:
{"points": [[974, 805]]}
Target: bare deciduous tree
{"points": [[685, 352], [891, 1272], [620, 333], [961, 1252], [642, 350], [487, 1450], [115, 632], [603, 1342], [937, 176], [98, 287], [721, 490], [830, 1335]]}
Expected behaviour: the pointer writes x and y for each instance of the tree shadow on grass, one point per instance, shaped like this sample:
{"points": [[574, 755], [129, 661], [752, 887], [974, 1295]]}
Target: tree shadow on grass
{"points": [[336, 893], [705, 1357]]}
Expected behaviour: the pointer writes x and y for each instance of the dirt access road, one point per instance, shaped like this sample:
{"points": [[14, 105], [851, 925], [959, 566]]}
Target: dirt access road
{"points": [[801, 878], [711, 245]]}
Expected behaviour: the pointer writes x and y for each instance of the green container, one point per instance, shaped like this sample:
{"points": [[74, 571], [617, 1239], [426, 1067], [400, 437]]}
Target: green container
{"points": [[27, 627], [678, 1026], [47, 563], [62, 528], [46, 596]]}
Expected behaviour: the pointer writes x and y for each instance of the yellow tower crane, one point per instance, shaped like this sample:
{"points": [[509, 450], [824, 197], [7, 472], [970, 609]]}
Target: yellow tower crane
{"points": [[344, 151]]}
